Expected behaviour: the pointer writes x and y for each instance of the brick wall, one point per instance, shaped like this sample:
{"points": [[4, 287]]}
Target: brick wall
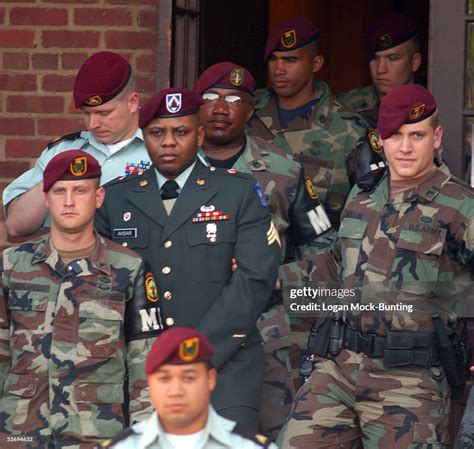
{"points": [[43, 43]]}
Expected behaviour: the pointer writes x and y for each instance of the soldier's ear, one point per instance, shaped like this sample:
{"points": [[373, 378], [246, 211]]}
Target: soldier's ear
{"points": [[133, 102], [438, 137], [318, 62], [45, 196], [249, 113], [99, 197], [415, 62], [212, 378], [201, 135]]}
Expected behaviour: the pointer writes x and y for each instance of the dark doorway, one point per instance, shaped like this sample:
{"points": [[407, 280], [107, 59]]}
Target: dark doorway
{"points": [[234, 31]]}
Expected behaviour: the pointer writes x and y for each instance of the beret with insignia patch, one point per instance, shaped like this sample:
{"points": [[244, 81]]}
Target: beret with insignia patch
{"points": [[167, 103], [291, 34], [390, 31], [100, 79], [178, 346], [70, 165], [226, 75], [404, 105]]}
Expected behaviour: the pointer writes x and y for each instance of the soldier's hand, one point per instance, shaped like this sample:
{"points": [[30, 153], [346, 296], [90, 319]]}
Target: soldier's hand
{"points": [[234, 264], [277, 285]]}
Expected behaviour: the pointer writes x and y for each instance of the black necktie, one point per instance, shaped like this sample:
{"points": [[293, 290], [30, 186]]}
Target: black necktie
{"points": [[169, 190]]}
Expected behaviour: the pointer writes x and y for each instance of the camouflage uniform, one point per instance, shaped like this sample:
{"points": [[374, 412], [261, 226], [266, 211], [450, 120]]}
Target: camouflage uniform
{"points": [[70, 339], [365, 101], [416, 247], [281, 178], [325, 143]]}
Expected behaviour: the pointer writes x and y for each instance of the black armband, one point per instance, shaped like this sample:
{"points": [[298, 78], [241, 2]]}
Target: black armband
{"points": [[369, 155], [143, 317], [308, 218]]}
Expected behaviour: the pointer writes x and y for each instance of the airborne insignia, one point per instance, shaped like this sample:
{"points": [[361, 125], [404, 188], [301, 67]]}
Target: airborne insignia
{"points": [[288, 39], [189, 349], [150, 288], [417, 112], [374, 141], [384, 41], [236, 76], [96, 100], [78, 167], [310, 187]]}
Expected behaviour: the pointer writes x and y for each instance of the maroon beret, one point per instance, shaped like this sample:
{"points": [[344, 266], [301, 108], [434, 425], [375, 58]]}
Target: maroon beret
{"points": [[291, 34], [101, 78], [406, 104], [70, 165], [390, 31], [172, 102], [178, 346], [226, 75]]}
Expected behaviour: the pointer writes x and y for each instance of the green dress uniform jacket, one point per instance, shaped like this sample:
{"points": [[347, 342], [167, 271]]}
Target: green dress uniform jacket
{"points": [[325, 142], [219, 433], [217, 216]]}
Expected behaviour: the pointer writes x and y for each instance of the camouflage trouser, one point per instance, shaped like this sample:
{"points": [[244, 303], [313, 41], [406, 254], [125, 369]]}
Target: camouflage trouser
{"points": [[278, 389], [355, 402]]}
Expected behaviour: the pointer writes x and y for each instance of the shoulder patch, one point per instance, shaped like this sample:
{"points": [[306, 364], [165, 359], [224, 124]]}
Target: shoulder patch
{"points": [[258, 188], [120, 437], [374, 141], [258, 438], [72, 136]]}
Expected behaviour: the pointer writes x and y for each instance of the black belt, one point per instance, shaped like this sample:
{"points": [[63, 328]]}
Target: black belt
{"points": [[397, 348]]}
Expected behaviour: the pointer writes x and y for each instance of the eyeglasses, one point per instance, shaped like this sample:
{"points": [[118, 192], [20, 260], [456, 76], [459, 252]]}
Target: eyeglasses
{"points": [[211, 98]]}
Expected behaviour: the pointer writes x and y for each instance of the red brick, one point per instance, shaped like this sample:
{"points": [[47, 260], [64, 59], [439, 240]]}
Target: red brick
{"points": [[111, 17], [72, 61], [17, 148], [127, 2], [146, 63], [12, 169], [71, 1], [43, 104], [38, 16], [70, 39], [58, 126], [16, 61], [148, 19], [58, 83], [20, 126], [130, 39], [146, 83], [44, 61], [17, 38], [18, 82]]}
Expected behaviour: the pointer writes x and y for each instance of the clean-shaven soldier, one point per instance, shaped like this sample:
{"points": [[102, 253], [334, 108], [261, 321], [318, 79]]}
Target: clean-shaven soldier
{"points": [[105, 93]]}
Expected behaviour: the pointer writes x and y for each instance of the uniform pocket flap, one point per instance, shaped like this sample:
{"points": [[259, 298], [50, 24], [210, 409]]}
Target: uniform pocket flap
{"points": [[27, 300], [352, 228], [422, 238], [99, 393], [102, 310], [24, 385]]}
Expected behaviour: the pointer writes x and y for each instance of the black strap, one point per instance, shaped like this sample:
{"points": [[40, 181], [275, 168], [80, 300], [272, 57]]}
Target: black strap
{"points": [[169, 190]]}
